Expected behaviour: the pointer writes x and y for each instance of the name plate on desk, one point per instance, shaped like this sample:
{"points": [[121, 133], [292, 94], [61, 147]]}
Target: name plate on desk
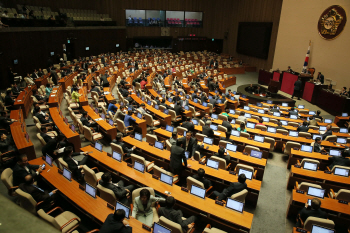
{"points": [[155, 177], [129, 164], [300, 191], [297, 166], [327, 172], [110, 206], [147, 228], [301, 230], [81, 187], [109, 154], [232, 172], [343, 202], [245, 153], [184, 189], [249, 138], [219, 203], [60, 171], [295, 148], [284, 134], [323, 153], [200, 162]]}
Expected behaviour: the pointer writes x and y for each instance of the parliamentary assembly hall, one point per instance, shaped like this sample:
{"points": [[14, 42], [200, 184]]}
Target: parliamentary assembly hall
{"points": [[174, 116]]}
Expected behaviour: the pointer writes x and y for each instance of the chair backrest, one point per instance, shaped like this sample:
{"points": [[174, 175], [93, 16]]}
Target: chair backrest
{"points": [[331, 138], [200, 137], [337, 166], [262, 127], [281, 131], [117, 148], [240, 196], [137, 158], [271, 141], [42, 141], [172, 114], [249, 148], [191, 181], [290, 145], [343, 194], [181, 130], [245, 167], [62, 163], [304, 134], [88, 133], [319, 222], [26, 201], [305, 186], [7, 178], [107, 195], [136, 193], [150, 138], [48, 218], [222, 128], [222, 162], [149, 119], [310, 161], [222, 117], [90, 176], [174, 227], [168, 145], [120, 126], [245, 134]]}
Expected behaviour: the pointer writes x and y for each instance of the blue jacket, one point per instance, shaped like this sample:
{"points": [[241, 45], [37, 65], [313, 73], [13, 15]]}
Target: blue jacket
{"points": [[112, 107], [128, 120]]}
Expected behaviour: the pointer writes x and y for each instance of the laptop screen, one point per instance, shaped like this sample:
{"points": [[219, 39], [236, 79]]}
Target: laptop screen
{"points": [[72, 128], [310, 166], [334, 152], [214, 127], [258, 138], [120, 206], [169, 128], [284, 104], [235, 133], [322, 128], [293, 133], [103, 116], [248, 174], [214, 116], [90, 190], [271, 129], [344, 114], [149, 102], [48, 160], [166, 111], [231, 147], [187, 108], [170, 99], [269, 102], [98, 146], [67, 174], [117, 156], [250, 125], [266, 119], [156, 106], [233, 121], [306, 148], [247, 115], [341, 171], [259, 104], [195, 100], [312, 112], [284, 122], [329, 121], [205, 104], [111, 122], [301, 106], [341, 140], [319, 229], [218, 101], [316, 136], [138, 137], [139, 115], [210, 97], [212, 163], [208, 141], [194, 121], [232, 111], [129, 108], [343, 130], [277, 114], [187, 154], [246, 108], [139, 166], [256, 154], [234, 205], [157, 228], [293, 117], [262, 111], [197, 191], [159, 145], [316, 192], [166, 179]]}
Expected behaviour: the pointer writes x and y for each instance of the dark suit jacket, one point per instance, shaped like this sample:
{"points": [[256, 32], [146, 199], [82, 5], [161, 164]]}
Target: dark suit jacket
{"points": [[37, 194], [20, 172], [85, 122], [173, 215], [46, 137], [124, 147], [177, 155], [119, 192], [305, 213], [321, 78], [178, 109], [188, 125], [228, 126], [206, 182], [73, 167], [206, 130], [204, 99], [49, 148], [293, 113], [9, 101], [213, 101], [192, 145], [327, 133], [5, 122], [41, 118], [96, 89], [211, 86], [234, 187], [317, 147], [112, 226], [103, 79], [7, 145], [297, 85], [302, 128], [341, 161], [274, 110]]}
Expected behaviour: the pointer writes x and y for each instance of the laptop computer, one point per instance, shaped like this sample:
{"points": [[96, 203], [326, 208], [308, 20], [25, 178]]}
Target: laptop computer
{"points": [[214, 127], [117, 156], [328, 121], [139, 166], [284, 104], [208, 141], [159, 145], [314, 136], [316, 192], [218, 102], [111, 122], [195, 100], [319, 229], [322, 129], [232, 111], [166, 179], [256, 154], [262, 111], [205, 104], [120, 206], [98, 146], [72, 127], [89, 189], [67, 174], [341, 171], [233, 121], [284, 122], [334, 152], [157, 228], [156, 106], [306, 148], [246, 108], [187, 108], [138, 137], [48, 160], [344, 114], [248, 174], [341, 140], [139, 115], [169, 128], [235, 133], [259, 138], [293, 133], [234, 205], [266, 119], [271, 129], [231, 147], [343, 130], [269, 102], [213, 164], [312, 112], [247, 115], [197, 191], [195, 122], [250, 125], [293, 117], [166, 111], [214, 116], [301, 106], [277, 114], [259, 104], [310, 166]]}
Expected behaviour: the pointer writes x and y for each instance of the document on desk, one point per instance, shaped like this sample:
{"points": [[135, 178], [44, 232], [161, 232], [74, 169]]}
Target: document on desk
{"points": [[53, 95], [217, 133], [172, 105], [59, 150], [106, 92], [98, 119]]}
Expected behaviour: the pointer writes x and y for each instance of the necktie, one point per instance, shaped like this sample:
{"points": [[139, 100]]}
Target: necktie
{"points": [[39, 188]]}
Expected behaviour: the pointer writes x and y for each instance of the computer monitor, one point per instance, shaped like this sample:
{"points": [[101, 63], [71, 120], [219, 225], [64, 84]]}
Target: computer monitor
{"points": [[284, 122], [259, 104], [250, 125], [214, 116], [87, 48], [233, 98], [293, 133], [157, 228], [341, 140], [232, 111], [195, 122], [67, 174], [310, 166], [316, 192], [111, 122], [293, 117], [103, 116], [322, 128], [312, 112], [269, 102], [306, 148], [218, 102], [344, 114], [72, 127], [65, 120], [169, 128], [256, 154], [89, 189], [139, 166], [48, 160], [214, 127], [301, 106], [314, 136], [210, 97], [343, 130], [266, 119], [187, 154], [247, 115], [246, 108], [259, 138], [213, 164], [208, 141], [120, 206], [231, 147], [170, 99], [334, 152], [149, 102], [117, 156], [159, 145], [271, 129], [262, 111], [187, 108], [235, 133], [234, 205], [138, 137], [166, 178], [319, 229], [98, 146], [277, 114], [205, 104], [244, 96], [156, 106], [139, 115], [233, 121], [341, 171], [328, 121], [195, 100], [166, 111], [197, 191], [129, 108], [52, 53], [248, 174], [284, 104]]}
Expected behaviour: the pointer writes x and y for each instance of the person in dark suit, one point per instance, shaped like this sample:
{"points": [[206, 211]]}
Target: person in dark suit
{"points": [[86, 122], [318, 112], [293, 111], [297, 88], [175, 215], [7, 145], [200, 177], [104, 80], [204, 98], [37, 193], [74, 165], [206, 118], [194, 94], [213, 100], [188, 124], [54, 76], [317, 145], [328, 132], [221, 154], [313, 211], [44, 135], [189, 143], [5, 122], [119, 141], [116, 223], [96, 89], [121, 193], [342, 160], [303, 127], [15, 89], [320, 77], [178, 109], [177, 157], [23, 168], [279, 126], [235, 187], [206, 130], [250, 89], [9, 101], [212, 86], [274, 109]]}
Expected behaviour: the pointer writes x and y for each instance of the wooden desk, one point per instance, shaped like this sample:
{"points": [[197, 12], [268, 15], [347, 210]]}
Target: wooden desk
{"points": [[333, 103], [42, 80], [24, 100], [205, 207], [55, 97], [300, 155], [72, 137], [23, 146], [199, 107], [83, 99], [67, 80], [95, 208]]}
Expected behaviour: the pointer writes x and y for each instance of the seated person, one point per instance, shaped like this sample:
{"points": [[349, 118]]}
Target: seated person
{"points": [[223, 98], [221, 154], [173, 138], [120, 113], [250, 89], [279, 126], [206, 118], [97, 90], [188, 124], [342, 160], [226, 113], [175, 215], [200, 177], [86, 122], [235, 187], [43, 117], [7, 145], [142, 210], [303, 127], [111, 106], [328, 132], [317, 145], [242, 127], [313, 211], [40, 98], [44, 134], [121, 193], [119, 141], [116, 223], [73, 165], [5, 122], [206, 130], [15, 89], [75, 95], [274, 109], [318, 115], [261, 122], [48, 89], [9, 100], [143, 83], [204, 98], [312, 121], [128, 119], [23, 168], [242, 117], [293, 111], [142, 109]]}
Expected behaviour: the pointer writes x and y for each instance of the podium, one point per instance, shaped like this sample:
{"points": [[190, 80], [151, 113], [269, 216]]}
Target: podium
{"points": [[311, 91]]}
